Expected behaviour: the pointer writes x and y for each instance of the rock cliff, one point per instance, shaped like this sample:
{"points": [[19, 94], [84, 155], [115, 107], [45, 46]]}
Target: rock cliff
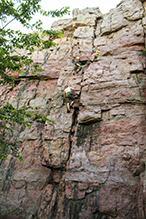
{"points": [[91, 163]]}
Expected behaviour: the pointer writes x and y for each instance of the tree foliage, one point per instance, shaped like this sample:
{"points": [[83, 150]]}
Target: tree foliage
{"points": [[22, 11], [9, 117]]}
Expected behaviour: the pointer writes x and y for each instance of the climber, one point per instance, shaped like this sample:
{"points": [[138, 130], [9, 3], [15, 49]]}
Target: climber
{"points": [[94, 55], [78, 66], [68, 97]]}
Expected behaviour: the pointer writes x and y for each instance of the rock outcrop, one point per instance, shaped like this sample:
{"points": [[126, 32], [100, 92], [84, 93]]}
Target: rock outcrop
{"points": [[91, 163]]}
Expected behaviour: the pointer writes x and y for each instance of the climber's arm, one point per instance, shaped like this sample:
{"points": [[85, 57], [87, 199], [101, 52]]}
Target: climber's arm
{"points": [[75, 89], [78, 64]]}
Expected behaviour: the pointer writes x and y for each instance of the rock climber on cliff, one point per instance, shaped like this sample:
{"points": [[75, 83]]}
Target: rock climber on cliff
{"points": [[68, 97], [78, 66], [94, 55]]}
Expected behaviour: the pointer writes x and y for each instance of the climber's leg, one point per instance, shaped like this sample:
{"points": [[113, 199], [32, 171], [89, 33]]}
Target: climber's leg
{"points": [[67, 100], [74, 69], [73, 72], [68, 108], [79, 68], [92, 59], [71, 104]]}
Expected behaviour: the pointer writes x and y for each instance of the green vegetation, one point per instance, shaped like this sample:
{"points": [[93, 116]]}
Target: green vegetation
{"points": [[22, 11], [144, 52]]}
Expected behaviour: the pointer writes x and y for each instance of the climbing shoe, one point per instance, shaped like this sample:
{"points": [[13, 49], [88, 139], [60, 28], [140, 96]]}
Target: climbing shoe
{"points": [[68, 111]]}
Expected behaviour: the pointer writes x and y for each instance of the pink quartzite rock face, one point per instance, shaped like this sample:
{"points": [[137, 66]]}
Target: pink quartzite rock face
{"points": [[91, 162]]}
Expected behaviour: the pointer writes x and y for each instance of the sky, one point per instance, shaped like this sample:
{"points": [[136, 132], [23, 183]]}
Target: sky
{"points": [[104, 6]]}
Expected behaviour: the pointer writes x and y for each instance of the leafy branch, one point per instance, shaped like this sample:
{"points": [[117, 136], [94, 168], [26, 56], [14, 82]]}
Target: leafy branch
{"points": [[9, 117], [10, 62]]}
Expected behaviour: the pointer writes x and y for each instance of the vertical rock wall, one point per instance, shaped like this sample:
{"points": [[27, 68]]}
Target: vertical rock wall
{"points": [[91, 163]]}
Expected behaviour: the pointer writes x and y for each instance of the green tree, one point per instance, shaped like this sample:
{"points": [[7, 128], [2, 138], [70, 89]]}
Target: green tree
{"points": [[22, 11]]}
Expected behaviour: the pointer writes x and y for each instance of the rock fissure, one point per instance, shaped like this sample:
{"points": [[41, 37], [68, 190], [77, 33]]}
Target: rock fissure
{"points": [[94, 32], [7, 178], [74, 116]]}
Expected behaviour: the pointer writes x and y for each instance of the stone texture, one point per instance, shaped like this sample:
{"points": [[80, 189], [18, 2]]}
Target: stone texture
{"points": [[132, 10], [91, 163]]}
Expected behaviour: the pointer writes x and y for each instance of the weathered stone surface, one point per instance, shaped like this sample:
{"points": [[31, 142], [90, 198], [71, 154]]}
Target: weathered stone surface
{"points": [[113, 21], [91, 163], [118, 42], [85, 17], [91, 114], [132, 10]]}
